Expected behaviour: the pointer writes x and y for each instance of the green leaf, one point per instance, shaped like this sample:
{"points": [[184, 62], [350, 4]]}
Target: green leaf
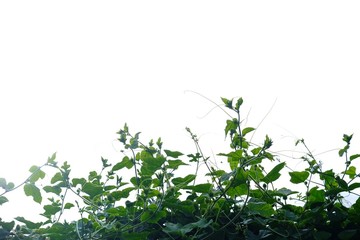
{"points": [[53, 189], [347, 234], [261, 208], [173, 154], [8, 226], [56, 178], [92, 189], [200, 188], [135, 235], [274, 174], [351, 172], [239, 102], [352, 157], [231, 125], [247, 130], [353, 186], [174, 164], [228, 103], [151, 164], [183, 181], [3, 200], [126, 162], [76, 181], [152, 217], [118, 211], [51, 159], [316, 195], [124, 193], [284, 192], [68, 205], [298, 177], [28, 223], [51, 210], [37, 173], [321, 235], [32, 190]]}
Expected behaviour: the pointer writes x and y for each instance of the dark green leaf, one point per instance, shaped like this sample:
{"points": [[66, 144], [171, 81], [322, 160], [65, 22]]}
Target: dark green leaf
{"points": [[122, 193], [8, 226], [68, 205], [92, 189], [173, 154], [261, 208], [298, 177], [347, 234], [151, 164], [352, 157], [274, 174], [321, 235], [135, 235], [200, 188], [51, 210], [183, 181], [29, 224], [32, 190], [126, 162], [316, 195], [353, 186]]}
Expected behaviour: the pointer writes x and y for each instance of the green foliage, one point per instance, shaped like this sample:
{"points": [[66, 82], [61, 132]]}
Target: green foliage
{"points": [[159, 201]]}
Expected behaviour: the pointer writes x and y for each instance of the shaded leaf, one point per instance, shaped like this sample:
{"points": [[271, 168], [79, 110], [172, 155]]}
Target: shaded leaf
{"points": [[28, 223], [261, 208], [183, 181]]}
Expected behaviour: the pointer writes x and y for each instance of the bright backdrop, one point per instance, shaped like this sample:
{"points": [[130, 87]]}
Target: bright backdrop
{"points": [[73, 72]]}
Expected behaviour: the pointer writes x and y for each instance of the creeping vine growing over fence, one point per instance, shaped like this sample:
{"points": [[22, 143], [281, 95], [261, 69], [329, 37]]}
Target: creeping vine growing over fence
{"points": [[157, 203]]}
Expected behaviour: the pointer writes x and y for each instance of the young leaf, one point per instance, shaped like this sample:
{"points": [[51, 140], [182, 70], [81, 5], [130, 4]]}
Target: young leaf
{"points": [[274, 174], [239, 102], [51, 160], [247, 130], [32, 190], [228, 103], [298, 177]]}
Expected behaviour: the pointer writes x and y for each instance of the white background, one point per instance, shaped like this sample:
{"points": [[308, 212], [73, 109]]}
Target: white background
{"points": [[73, 72]]}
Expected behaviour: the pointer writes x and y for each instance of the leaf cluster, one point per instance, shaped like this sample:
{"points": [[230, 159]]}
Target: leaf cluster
{"points": [[160, 202]]}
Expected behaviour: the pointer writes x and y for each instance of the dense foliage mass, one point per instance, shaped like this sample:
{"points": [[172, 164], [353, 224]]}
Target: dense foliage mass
{"points": [[159, 203]]}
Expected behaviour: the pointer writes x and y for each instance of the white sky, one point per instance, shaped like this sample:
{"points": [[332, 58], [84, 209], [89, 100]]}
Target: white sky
{"points": [[73, 72]]}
